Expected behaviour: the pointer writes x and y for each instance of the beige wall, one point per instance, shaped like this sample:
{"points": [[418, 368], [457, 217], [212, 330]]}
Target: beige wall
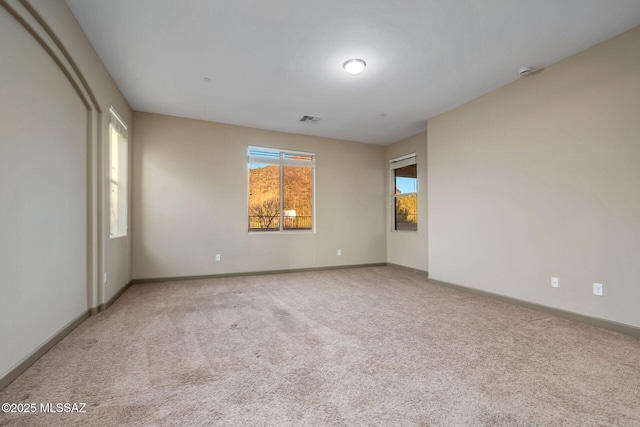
{"points": [[190, 182], [408, 248], [541, 178], [115, 257], [50, 258]]}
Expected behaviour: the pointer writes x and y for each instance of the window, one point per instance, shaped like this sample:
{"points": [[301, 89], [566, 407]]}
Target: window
{"points": [[281, 196], [118, 168], [405, 194]]}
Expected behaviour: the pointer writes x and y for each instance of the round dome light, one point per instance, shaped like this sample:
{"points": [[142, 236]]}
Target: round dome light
{"points": [[354, 66]]}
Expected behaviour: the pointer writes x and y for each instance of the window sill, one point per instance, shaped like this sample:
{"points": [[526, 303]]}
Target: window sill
{"points": [[292, 232]]}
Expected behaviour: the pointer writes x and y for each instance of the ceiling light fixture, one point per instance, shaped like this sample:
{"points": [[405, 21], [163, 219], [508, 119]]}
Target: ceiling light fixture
{"points": [[354, 66]]}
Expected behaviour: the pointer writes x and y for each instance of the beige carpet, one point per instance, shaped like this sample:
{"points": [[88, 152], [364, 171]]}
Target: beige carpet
{"points": [[369, 346]]}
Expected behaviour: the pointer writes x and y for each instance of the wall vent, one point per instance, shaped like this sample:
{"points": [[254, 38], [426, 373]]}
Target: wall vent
{"points": [[310, 119]]}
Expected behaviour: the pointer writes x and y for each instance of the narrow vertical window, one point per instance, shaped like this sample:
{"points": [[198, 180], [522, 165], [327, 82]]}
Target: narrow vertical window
{"points": [[405, 194], [118, 174], [281, 196]]}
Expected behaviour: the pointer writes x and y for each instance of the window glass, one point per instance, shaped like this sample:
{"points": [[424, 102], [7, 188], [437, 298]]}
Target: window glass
{"points": [[406, 217], [406, 197], [281, 193], [298, 198], [118, 175], [264, 197], [407, 179]]}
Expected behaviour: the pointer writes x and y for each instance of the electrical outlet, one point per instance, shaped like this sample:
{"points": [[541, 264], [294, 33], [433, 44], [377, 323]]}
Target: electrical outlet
{"points": [[104, 277], [555, 282], [218, 257], [598, 289], [339, 252]]}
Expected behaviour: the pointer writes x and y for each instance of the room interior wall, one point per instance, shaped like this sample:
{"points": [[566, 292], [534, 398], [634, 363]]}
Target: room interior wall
{"points": [[116, 253], [190, 193], [408, 248], [54, 90], [44, 196], [540, 179]]}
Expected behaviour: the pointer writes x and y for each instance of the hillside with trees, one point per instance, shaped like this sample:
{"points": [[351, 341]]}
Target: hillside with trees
{"points": [[264, 195]]}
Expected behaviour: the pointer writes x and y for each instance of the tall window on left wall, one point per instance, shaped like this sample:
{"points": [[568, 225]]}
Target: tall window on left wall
{"points": [[118, 174]]}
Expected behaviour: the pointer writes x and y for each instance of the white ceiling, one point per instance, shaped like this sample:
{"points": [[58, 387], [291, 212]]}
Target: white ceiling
{"points": [[272, 61]]}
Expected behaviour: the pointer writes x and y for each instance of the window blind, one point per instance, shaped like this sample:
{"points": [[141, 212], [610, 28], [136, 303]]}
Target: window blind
{"points": [[402, 161], [270, 156], [118, 124]]}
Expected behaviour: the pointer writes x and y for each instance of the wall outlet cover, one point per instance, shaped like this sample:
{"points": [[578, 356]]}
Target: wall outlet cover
{"points": [[598, 289]]}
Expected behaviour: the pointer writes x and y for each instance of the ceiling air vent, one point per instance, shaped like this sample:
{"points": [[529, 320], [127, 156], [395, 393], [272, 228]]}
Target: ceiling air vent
{"points": [[310, 119]]}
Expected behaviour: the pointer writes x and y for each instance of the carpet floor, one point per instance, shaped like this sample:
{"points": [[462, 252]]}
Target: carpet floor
{"points": [[367, 346]]}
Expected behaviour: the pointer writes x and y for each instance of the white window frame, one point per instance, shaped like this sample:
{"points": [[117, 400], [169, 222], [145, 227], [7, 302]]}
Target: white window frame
{"points": [[277, 157], [397, 163], [118, 226]]}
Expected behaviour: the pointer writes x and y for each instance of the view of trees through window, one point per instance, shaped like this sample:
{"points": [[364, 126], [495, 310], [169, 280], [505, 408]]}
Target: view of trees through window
{"points": [[406, 198], [281, 195]]}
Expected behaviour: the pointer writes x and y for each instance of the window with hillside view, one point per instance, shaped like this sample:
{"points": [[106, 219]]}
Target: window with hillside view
{"points": [[405, 197], [280, 190]]}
